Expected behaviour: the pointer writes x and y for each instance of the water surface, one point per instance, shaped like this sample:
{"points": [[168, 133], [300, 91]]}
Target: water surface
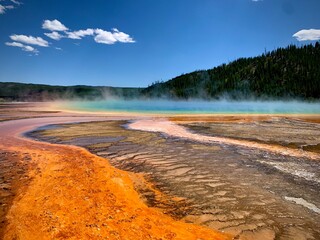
{"points": [[197, 107]]}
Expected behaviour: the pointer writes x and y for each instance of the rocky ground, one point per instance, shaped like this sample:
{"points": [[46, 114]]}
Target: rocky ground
{"points": [[248, 192], [13, 180], [64, 192], [13, 111]]}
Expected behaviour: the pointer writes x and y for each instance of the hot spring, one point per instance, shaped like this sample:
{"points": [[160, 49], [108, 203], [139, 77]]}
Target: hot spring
{"points": [[193, 107]]}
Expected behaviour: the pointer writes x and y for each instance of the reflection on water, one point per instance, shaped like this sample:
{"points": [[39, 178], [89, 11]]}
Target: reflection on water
{"points": [[164, 106]]}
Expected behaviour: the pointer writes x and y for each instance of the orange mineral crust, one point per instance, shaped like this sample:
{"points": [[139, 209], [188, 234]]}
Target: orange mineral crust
{"points": [[73, 194]]}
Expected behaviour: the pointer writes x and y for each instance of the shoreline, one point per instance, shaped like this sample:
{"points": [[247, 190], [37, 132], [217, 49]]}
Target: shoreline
{"points": [[50, 109], [174, 130], [205, 176], [37, 156], [55, 106], [47, 175]]}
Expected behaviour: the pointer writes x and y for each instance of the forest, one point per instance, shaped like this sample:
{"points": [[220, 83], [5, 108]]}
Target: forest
{"points": [[10, 91], [285, 73], [291, 72]]}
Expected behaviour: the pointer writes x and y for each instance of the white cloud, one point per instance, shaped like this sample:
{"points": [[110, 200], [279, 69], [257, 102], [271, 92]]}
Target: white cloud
{"points": [[54, 35], [80, 34], [30, 40], [307, 35], [122, 37], [54, 25], [29, 49], [9, 7], [59, 31], [107, 37], [16, 2], [22, 46], [14, 44], [104, 37], [2, 9]]}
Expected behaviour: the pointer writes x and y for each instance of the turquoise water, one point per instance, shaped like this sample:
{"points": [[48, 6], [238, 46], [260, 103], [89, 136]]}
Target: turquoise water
{"points": [[196, 107]]}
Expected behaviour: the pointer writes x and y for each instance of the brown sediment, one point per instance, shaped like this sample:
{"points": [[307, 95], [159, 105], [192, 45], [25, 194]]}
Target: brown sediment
{"points": [[228, 204], [231, 188], [219, 118], [175, 130], [71, 193], [315, 118], [290, 132], [14, 180]]}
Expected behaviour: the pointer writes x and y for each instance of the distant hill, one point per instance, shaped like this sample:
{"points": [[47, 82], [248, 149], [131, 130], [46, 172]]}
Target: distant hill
{"points": [[290, 72], [10, 91]]}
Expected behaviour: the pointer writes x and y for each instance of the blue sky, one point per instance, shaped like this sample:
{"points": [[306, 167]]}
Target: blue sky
{"points": [[136, 42]]}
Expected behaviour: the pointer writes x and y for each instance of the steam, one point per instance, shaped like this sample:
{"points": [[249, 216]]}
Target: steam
{"points": [[115, 104]]}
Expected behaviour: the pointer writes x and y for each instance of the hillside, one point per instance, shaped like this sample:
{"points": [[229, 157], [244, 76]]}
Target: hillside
{"points": [[35, 92], [290, 72]]}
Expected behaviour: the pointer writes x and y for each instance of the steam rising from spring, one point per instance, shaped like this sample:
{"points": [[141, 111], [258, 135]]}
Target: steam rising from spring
{"points": [[193, 107]]}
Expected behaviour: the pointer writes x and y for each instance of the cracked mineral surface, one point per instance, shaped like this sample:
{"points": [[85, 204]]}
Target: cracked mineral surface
{"points": [[244, 190]]}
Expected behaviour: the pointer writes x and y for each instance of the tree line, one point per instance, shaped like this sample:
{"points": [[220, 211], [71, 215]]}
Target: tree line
{"points": [[291, 72]]}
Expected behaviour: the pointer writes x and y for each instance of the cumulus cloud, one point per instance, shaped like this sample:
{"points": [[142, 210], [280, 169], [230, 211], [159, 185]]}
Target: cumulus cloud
{"points": [[80, 33], [122, 37], [54, 25], [54, 35], [104, 37], [14, 44], [307, 35], [107, 37], [101, 36], [30, 40], [22, 46], [59, 31]]}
